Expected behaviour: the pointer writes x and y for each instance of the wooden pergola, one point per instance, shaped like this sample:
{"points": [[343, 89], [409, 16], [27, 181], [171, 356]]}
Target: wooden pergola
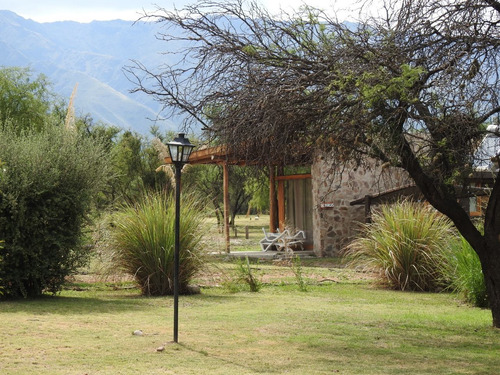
{"points": [[220, 155]]}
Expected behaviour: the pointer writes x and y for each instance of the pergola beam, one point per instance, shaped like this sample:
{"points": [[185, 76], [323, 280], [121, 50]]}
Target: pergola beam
{"points": [[272, 199], [225, 170]]}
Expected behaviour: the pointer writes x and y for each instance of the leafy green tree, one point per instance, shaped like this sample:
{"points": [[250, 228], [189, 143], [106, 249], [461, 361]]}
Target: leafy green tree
{"points": [[240, 191], [2, 170], [104, 133], [25, 101], [128, 164], [245, 184], [258, 188], [107, 136], [135, 162], [134, 158], [207, 180]]}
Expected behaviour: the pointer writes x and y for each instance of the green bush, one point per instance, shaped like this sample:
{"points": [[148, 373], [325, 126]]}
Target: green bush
{"points": [[1, 241], [2, 170], [406, 244], [143, 241], [48, 182], [464, 273], [1, 288]]}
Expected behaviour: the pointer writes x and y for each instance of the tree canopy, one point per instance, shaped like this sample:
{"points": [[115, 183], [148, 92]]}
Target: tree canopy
{"points": [[25, 102]]}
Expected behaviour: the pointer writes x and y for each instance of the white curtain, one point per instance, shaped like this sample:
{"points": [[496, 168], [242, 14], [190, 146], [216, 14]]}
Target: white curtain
{"points": [[298, 205]]}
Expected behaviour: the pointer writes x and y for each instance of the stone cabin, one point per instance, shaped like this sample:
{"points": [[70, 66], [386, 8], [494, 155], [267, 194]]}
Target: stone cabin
{"points": [[335, 218]]}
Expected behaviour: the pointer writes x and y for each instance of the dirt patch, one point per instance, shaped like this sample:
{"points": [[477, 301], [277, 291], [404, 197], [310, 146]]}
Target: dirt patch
{"points": [[95, 278], [279, 271]]}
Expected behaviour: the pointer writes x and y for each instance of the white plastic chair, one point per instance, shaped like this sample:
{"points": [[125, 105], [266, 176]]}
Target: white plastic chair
{"points": [[288, 242], [271, 239]]}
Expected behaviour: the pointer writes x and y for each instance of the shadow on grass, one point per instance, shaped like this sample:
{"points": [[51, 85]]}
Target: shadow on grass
{"points": [[99, 303], [68, 305], [397, 348]]}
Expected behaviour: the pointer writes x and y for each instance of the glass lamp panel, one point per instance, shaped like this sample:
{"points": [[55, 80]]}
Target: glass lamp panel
{"points": [[174, 152], [186, 151]]}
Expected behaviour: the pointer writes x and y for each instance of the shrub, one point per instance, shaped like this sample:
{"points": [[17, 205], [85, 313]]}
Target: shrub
{"points": [[464, 273], [1, 288], [143, 241], [47, 187], [405, 244], [1, 241]]}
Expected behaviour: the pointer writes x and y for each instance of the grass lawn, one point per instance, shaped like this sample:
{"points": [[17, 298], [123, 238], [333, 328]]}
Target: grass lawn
{"points": [[216, 240], [341, 324]]}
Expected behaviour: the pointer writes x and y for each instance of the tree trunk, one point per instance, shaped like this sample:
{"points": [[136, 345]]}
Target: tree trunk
{"points": [[490, 263], [490, 257], [218, 215]]}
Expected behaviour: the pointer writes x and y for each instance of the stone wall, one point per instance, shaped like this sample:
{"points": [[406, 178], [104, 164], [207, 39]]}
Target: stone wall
{"points": [[335, 221]]}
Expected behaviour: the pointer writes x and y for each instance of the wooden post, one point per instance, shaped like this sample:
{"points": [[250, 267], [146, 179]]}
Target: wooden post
{"points": [[272, 199], [281, 204], [247, 234], [368, 211], [226, 205]]}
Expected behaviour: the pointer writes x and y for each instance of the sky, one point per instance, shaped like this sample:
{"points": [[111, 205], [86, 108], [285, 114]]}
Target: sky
{"points": [[105, 10]]}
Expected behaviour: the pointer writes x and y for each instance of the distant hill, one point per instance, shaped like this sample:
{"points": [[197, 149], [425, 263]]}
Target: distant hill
{"points": [[92, 55]]}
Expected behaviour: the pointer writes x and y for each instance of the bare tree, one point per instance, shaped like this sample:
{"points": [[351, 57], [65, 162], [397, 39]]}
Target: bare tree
{"points": [[412, 88]]}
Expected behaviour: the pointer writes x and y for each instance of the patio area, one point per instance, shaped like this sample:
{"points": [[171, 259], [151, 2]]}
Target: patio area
{"points": [[264, 255]]}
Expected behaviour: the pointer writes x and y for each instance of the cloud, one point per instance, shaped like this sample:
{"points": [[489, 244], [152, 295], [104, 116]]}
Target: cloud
{"points": [[90, 10], [76, 10]]}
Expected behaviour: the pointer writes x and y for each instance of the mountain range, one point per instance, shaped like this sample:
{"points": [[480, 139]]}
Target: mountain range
{"points": [[90, 56]]}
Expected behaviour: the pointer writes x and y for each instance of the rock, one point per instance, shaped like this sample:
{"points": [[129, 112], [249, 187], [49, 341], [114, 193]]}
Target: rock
{"points": [[137, 332], [160, 348]]}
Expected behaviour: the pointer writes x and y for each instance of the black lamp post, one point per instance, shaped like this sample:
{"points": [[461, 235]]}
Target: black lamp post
{"points": [[180, 149]]}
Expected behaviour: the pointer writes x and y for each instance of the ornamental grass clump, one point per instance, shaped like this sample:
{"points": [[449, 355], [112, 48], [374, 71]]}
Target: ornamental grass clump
{"points": [[143, 241], [406, 244], [465, 275]]}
